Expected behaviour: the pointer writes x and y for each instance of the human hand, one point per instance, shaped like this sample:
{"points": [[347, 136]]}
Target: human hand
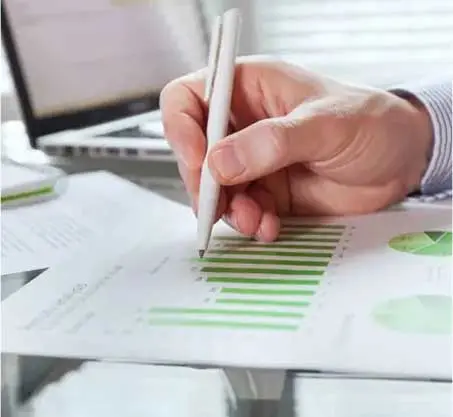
{"points": [[299, 144]]}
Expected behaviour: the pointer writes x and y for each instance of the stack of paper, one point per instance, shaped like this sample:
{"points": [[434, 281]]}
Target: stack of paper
{"points": [[366, 294], [22, 184], [41, 235]]}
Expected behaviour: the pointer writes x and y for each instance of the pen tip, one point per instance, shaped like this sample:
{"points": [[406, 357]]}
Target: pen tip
{"points": [[201, 253]]}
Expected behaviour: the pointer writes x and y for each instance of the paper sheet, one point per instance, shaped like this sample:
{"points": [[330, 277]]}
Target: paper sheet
{"points": [[41, 235], [343, 397], [15, 175], [157, 391], [366, 294]]}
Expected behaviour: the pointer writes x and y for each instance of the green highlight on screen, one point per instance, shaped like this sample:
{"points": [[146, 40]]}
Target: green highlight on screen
{"points": [[262, 281], [265, 271]]}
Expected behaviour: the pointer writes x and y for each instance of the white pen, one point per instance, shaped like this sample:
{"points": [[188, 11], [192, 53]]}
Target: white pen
{"points": [[218, 91]]}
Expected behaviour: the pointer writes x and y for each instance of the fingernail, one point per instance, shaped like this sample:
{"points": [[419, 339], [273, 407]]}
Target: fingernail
{"points": [[226, 162]]}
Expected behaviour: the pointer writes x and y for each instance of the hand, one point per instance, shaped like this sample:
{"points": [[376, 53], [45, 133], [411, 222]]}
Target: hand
{"points": [[299, 144]]}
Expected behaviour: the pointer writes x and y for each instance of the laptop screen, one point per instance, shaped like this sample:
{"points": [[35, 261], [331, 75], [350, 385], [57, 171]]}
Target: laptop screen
{"points": [[80, 63]]}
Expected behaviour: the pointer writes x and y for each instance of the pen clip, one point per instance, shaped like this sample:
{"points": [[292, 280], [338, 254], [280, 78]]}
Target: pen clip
{"points": [[213, 60]]}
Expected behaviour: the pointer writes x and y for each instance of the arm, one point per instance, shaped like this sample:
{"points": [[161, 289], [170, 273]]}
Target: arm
{"points": [[436, 97]]}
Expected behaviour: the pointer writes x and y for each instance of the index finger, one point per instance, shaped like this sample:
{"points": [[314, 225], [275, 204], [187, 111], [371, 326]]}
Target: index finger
{"points": [[184, 114]]}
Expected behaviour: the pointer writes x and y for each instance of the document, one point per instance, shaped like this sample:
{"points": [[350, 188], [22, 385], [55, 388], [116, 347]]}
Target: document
{"points": [[366, 294], [41, 235]]}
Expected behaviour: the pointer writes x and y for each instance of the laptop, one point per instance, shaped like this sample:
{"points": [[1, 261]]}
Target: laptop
{"points": [[88, 73]]}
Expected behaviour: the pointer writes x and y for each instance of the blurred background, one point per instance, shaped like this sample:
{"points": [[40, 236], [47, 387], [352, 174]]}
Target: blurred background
{"points": [[378, 42], [372, 41]]}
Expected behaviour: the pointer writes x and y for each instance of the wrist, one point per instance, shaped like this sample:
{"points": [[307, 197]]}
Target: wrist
{"points": [[423, 139]]}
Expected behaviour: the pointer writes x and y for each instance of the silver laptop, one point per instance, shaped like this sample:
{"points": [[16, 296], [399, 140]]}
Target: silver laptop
{"points": [[88, 73]]}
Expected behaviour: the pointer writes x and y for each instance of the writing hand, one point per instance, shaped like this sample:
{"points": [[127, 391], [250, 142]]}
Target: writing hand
{"points": [[299, 144]]}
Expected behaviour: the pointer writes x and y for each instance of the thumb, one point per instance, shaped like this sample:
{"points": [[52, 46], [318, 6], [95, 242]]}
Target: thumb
{"points": [[268, 146]]}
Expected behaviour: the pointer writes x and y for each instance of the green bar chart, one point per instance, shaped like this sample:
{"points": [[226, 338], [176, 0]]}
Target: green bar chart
{"points": [[251, 285]]}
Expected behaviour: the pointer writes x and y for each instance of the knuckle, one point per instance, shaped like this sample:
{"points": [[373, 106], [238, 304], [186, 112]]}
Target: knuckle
{"points": [[279, 141], [167, 93]]}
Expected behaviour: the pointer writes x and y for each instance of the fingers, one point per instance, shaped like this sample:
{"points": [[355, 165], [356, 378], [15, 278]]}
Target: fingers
{"points": [[251, 153], [192, 184], [269, 226], [243, 214], [184, 119], [253, 214], [310, 134]]}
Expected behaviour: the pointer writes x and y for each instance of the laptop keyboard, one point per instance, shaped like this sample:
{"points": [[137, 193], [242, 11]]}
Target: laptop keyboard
{"points": [[131, 132]]}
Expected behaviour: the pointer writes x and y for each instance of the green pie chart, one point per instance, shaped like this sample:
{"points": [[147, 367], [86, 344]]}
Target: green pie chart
{"points": [[421, 314], [432, 243]]}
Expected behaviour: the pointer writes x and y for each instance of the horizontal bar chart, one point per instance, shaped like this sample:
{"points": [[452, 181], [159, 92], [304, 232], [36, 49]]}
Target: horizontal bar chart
{"points": [[257, 286]]}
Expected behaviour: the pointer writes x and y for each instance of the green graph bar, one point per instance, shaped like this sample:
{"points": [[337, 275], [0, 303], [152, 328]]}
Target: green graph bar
{"points": [[279, 246], [306, 239], [265, 281], [289, 239], [269, 271], [223, 324], [310, 232], [263, 261], [259, 291], [248, 301], [223, 312], [313, 226], [297, 254]]}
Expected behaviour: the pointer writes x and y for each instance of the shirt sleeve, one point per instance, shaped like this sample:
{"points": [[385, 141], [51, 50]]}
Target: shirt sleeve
{"points": [[436, 96]]}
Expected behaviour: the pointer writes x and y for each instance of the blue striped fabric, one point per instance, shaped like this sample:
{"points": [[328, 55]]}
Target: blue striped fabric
{"points": [[437, 98]]}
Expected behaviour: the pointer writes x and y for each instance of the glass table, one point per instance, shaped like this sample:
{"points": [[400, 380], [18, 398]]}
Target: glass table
{"points": [[57, 387]]}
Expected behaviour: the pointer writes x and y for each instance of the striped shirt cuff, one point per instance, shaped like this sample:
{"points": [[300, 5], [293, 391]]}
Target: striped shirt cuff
{"points": [[437, 98]]}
